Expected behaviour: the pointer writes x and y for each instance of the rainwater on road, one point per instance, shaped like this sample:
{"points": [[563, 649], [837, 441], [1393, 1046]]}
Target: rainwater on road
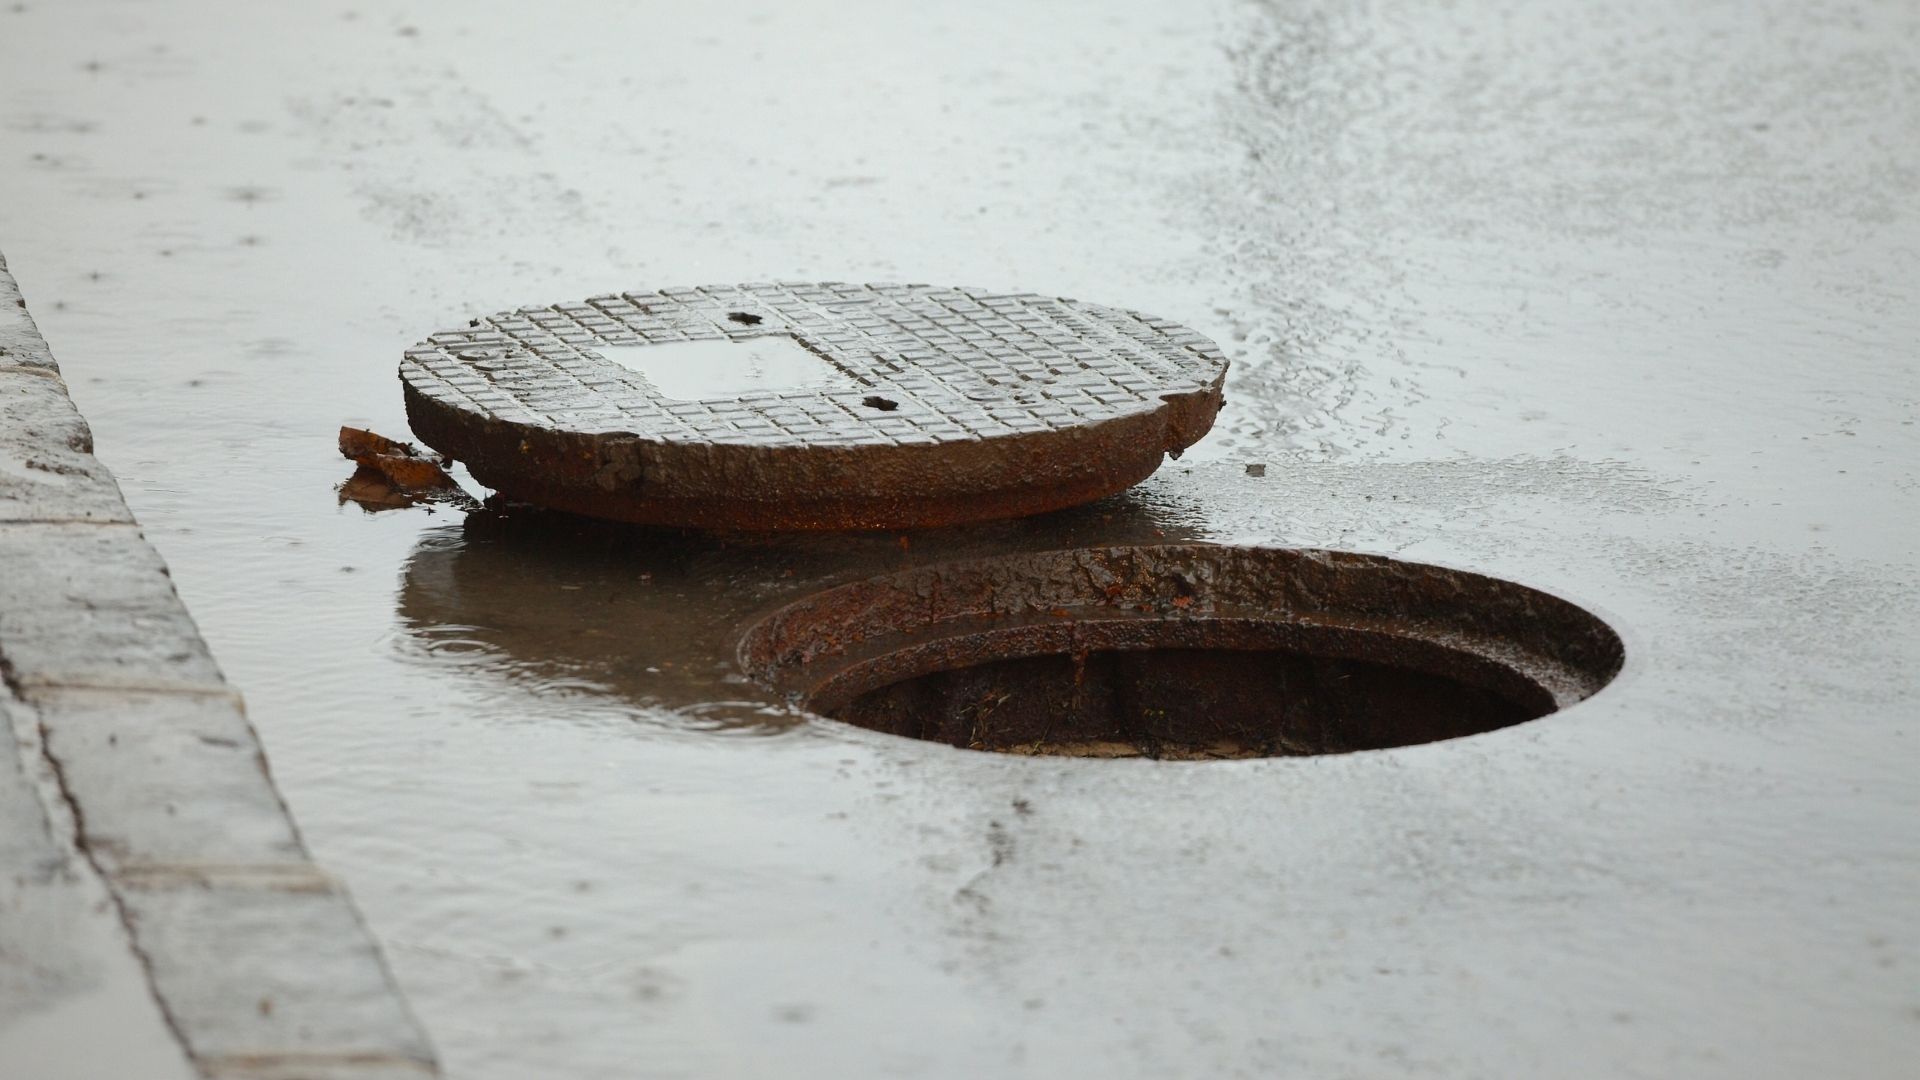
{"points": [[1614, 299]]}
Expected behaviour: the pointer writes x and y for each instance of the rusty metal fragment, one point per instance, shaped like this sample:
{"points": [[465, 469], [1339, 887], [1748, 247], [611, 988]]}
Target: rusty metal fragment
{"points": [[393, 474]]}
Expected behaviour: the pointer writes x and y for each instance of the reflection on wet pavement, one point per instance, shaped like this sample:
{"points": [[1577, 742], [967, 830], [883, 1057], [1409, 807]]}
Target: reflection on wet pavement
{"points": [[650, 619], [1556, 291]]}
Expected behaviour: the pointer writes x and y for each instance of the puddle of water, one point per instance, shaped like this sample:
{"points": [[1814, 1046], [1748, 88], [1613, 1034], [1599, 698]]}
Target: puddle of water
{"points": [[231, 221], [582, 840], [704, 370]]}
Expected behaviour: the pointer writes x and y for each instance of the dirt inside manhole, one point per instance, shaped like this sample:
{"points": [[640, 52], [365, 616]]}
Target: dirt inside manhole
{"points": [[1188, 652]]}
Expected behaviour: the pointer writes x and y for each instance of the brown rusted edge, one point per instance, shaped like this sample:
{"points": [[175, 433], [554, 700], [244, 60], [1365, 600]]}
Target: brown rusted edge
{"points": [[751, 487], [1530, 650]]}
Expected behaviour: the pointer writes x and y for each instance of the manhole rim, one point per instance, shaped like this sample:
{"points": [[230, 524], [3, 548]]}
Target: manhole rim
{"points": [[1620, 658]]}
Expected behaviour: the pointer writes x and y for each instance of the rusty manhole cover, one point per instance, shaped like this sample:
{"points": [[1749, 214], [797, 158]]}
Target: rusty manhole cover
{"points": [[813, 406]]}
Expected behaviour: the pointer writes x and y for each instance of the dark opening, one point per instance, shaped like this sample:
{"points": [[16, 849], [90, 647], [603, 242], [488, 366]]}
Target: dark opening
{"points": [[1185, 703], [744, 318], [878, 402], [1189, 652]]}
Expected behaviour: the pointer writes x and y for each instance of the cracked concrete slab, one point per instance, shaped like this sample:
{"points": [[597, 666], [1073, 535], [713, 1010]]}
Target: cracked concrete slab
{"points": [[47, 468], [74, 1001], [97, 610], [315, 999], [233, 954], [170, 781]]}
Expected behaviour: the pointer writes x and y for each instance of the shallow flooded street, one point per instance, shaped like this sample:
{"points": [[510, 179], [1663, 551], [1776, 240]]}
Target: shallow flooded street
{"points": [[1612, 301]]}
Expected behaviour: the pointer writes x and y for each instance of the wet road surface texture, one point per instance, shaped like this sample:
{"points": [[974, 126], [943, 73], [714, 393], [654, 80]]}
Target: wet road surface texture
{"points": [[1616, 301]]}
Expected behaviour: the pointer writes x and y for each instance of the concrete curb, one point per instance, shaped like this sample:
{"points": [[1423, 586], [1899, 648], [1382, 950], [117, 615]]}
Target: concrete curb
{"points": [[259, 960]]}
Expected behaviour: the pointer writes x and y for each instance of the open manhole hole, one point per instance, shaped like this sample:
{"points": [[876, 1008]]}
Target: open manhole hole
{"points": [[1189, 652]]}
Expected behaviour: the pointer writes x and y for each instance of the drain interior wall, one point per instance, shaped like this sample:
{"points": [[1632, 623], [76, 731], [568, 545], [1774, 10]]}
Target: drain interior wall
{"points": [[1179, 702]]}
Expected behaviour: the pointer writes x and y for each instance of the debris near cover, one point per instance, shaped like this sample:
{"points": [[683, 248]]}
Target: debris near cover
{"points": [[394, 474]]}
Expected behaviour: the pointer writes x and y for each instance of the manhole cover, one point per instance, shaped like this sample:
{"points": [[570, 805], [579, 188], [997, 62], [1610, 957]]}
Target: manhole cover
{"points": [[813, 406], [1183, 652]]}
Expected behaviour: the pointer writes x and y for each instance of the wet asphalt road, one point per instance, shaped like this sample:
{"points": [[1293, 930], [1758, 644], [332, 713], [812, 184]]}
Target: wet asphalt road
{"points": [[1616, 300]]}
